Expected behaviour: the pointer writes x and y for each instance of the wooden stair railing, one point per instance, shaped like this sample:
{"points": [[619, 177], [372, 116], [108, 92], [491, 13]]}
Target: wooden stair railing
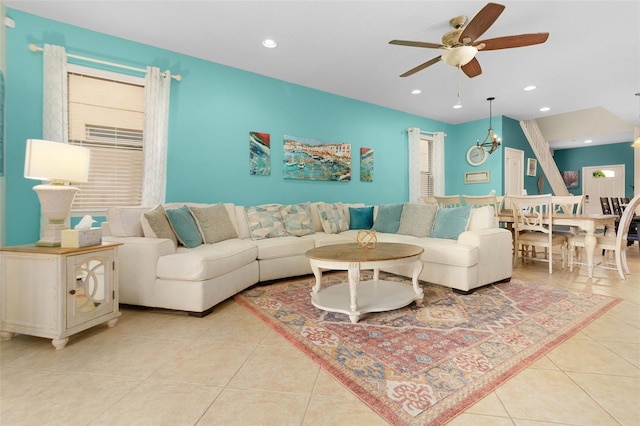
{"points": [[545, 159]]}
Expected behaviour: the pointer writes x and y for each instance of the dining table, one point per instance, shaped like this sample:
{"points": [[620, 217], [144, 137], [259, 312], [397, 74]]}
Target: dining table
{"points": [[586, 222]]}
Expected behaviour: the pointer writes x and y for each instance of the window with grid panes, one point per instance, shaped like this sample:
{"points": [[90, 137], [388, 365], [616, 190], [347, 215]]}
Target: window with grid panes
{"points": [[426, 167], [106, 115]]}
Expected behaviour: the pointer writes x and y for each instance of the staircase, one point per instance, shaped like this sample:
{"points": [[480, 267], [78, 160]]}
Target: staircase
{"points": [[545, 159]]}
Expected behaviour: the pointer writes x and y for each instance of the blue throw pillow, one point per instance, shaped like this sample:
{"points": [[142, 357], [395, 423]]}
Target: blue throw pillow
{"points": [[361, 217], [388, 218], [450, 222], [184, 226]]}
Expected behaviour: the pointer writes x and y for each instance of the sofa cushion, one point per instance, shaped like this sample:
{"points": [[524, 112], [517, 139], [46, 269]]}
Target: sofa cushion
{"points": [[482, 218], [155, 224], [265, 221], [450, 222], [275, 248], [125, 221], [184, 225], [417, 219], [388, 218], [333, 217], [207, 260], [214, 223], [297, 219], [360, 217]]}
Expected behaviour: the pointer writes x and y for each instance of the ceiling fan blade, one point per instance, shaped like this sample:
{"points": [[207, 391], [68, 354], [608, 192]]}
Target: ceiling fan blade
{"points": [[472, 69], [481, 22], [417, 44], [520, 40], [421, 67]]}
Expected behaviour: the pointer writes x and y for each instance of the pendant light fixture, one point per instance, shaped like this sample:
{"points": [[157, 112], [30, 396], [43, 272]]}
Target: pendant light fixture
{"points": [[491, 142], [636, 142]]}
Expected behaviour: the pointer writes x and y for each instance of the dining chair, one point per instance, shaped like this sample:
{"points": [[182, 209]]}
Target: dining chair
{"points": [[566, 205], [616, 245], [481, 200], [615, 206], [449, 201], [604, 204], [533, 225]]}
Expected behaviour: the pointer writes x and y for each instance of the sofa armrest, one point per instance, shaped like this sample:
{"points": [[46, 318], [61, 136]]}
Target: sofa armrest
{"points": [[137, 264], [494, 252]]}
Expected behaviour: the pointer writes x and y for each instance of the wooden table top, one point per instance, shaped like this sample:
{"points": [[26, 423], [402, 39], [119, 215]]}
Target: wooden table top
{"points": [[352, 253], [32, 248]]}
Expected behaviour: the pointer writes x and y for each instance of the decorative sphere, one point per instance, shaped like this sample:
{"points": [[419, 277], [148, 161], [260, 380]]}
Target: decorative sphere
{"points": [[367, 239]]}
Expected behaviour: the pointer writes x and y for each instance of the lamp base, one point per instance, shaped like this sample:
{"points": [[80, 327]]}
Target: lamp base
{"points": [[55, 201]]}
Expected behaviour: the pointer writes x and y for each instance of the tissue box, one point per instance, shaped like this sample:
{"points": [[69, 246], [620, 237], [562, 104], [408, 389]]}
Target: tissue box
{"points": [[81, 237]]}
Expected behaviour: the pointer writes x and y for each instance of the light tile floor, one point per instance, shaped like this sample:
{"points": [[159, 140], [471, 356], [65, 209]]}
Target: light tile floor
{"points": [[165, 368]]}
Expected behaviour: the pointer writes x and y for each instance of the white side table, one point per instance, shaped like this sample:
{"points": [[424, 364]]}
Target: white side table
{"points": [[54, 292]]}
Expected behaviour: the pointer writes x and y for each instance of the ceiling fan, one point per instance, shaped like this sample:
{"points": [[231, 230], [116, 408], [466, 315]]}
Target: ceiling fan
{"points": [[461, 45]]}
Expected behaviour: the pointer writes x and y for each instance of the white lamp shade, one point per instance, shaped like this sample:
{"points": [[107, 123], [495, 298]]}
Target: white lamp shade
{"points": [[56, 161], [459, 56]]}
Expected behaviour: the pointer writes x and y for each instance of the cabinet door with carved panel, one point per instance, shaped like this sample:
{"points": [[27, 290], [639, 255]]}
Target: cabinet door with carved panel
{"points": [[90, 292]]}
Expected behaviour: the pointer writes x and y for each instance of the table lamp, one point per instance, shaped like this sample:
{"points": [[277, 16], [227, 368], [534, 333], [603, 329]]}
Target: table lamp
{"points": [[59, 163]]}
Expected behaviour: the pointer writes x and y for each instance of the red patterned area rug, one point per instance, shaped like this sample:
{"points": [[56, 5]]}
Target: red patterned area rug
{"points": [[424, 365]]}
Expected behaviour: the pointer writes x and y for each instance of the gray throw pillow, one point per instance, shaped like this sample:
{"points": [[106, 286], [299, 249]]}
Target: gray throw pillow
{"points": [[417, 219], [159, 224], [214, 223]]}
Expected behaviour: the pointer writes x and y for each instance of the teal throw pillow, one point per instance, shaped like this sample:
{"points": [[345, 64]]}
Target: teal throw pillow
{"points": [[361, 217], [388, 218], [450, 222], [184, 226]]}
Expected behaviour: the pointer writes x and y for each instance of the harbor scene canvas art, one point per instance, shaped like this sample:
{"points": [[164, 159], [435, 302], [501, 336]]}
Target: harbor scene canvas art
{"points": [[312, 159], [259, 153]]}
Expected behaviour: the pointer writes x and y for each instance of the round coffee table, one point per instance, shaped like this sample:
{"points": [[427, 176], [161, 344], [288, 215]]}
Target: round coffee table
{"points": [[355, 298]]}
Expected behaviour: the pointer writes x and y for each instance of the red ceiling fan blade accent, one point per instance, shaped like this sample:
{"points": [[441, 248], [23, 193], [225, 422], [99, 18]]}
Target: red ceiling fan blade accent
{"points": [[481, 22], [520, 40], [421, 67], [472, 69], [417, 44]]}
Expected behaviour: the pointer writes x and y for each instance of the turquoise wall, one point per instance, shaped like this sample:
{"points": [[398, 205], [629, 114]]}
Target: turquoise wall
{"points": [[213, 109], [466, 135], [577, 158]]}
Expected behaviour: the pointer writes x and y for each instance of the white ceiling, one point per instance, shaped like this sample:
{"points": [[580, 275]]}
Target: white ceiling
{"points": [[587, 72]]}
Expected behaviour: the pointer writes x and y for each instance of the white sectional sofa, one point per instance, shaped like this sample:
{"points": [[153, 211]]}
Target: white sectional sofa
{"points": [[241, 246]]}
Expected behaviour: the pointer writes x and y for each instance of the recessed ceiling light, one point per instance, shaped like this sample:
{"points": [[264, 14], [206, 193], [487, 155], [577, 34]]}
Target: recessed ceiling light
{"points": [[269, 43], [416, 91], [544, 109], [529, 88], [457, 106], [588, 141]]}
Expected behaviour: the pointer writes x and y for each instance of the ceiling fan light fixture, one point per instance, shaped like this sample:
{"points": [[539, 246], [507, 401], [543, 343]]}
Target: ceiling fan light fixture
{"points": [[459, 56], [636, 143]]}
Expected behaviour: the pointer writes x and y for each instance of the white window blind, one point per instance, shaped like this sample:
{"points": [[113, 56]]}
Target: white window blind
{"points": [[106, 115], [426, 167]]}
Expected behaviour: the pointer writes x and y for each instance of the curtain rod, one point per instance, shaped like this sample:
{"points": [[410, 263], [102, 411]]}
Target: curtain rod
{"points": [[34, 48]]}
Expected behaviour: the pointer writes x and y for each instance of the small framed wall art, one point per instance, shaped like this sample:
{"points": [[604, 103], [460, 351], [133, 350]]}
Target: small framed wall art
{"points": [[481, 176], [532, 166]]}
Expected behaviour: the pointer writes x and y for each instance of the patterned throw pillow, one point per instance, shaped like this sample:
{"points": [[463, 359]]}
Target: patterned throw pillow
{"points": [[185, 226], [297, 219], [159, 225], [333, 218], [265, 221], [214, 223]]}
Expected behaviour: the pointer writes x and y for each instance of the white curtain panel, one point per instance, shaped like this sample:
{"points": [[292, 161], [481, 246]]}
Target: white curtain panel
{"points": [[438, 163], [55, 110], [156, 123], [414, 165]]}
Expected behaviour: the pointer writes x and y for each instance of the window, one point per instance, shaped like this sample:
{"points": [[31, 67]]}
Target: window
{"points": [[426, 167], [106, 115]]}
